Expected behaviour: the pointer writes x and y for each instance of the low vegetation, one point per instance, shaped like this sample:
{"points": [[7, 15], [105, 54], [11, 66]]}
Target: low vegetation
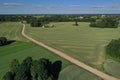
{"points": [[113, 49], [112, 67], [29, 69], [74, 72], [107, 22]]}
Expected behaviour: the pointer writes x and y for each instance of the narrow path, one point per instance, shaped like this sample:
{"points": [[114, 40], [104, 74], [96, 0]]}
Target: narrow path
{"points": [[71, 59]]}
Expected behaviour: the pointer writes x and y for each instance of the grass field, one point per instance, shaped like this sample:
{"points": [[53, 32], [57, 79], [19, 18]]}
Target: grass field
{"points": [[73, 72], [21, 48], [112, 68], [82, 42], [11, 30]]}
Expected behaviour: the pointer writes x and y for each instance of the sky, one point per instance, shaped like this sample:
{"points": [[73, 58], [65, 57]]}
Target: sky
{"points": [[59, 6]]}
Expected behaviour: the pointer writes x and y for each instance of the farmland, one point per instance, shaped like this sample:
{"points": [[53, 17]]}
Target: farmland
{"points": [[11, 30], [82, 42], [21, 48]]}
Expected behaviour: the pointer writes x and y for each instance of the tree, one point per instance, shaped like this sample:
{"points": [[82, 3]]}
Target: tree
{"points": [[14, 66], [23, 72], [41, 69], [34, 70], [107, 22], [113, 49], [20, 74], [3, 41], [43, 72], [56, 68], [8, 76], [27, 65]]}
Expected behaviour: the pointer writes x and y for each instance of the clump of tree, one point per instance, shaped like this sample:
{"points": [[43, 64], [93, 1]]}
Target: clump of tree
{"points": [[3, 41], [38, 23], [107, 22], [29, 69], [113, 49]]}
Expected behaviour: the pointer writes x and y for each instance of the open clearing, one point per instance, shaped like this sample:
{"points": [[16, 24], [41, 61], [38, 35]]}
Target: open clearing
{"points": [[82, 42]]}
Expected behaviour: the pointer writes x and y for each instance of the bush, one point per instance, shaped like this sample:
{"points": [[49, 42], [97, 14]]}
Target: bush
{"points": [[113, 49], [3, 41]]}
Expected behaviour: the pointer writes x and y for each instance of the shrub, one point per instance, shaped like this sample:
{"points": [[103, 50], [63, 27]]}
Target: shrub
{"points": [[113, 49], [3, 41]]}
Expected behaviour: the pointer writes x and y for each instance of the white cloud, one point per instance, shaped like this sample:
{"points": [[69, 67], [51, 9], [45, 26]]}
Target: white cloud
{"points": [[12, 4]]}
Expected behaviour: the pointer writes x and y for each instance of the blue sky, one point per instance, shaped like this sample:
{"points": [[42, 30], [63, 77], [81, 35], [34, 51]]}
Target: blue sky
{"points": [[59, 6]]}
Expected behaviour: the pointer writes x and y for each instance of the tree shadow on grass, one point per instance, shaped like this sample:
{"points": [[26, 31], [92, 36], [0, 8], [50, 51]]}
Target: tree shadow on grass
{"points": [[10, 42]]}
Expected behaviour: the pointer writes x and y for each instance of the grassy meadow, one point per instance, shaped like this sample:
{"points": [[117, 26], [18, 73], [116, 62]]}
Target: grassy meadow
{"points": [[11, 30], [82, 42], [22, 48]]}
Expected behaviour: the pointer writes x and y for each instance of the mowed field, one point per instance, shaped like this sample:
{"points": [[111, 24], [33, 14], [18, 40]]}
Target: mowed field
{"points": [[82, 42], [22, 48], [11, 30]]}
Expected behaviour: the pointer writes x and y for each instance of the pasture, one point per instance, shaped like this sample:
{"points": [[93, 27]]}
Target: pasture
{"points": [[112, 68], [11, 30], [73, 72], [22, 48], [82, 42]]}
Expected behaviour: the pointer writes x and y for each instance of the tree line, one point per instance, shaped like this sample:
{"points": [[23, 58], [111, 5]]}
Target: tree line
{"points": [[29, 69], [106, 22], [113, 49]]}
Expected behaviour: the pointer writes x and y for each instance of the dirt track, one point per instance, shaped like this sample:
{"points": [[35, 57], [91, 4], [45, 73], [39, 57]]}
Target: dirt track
{"points": [[71, 59]]}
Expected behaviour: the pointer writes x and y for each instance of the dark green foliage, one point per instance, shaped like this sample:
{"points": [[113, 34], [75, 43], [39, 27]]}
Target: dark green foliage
{"points": [[29, 69], [113, 49], [14, 66], [3, 41], [8, 76], [56, 68], [107, 22], [76, 23], [36, 24]]}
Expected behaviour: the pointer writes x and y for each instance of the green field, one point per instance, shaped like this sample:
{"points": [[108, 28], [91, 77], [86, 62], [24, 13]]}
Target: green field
{"points": [[73, 72], [112, 68], [11, 30], [82, 42], [22, 48]]}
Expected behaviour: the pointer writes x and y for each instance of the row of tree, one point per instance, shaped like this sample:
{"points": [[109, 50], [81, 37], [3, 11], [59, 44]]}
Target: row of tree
{"points": [[14, 18], [113, 49], [30, 69], [107, 22]]}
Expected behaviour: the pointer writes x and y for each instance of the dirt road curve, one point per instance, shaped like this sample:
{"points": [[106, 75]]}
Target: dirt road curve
{"points": [[71, 59]]}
